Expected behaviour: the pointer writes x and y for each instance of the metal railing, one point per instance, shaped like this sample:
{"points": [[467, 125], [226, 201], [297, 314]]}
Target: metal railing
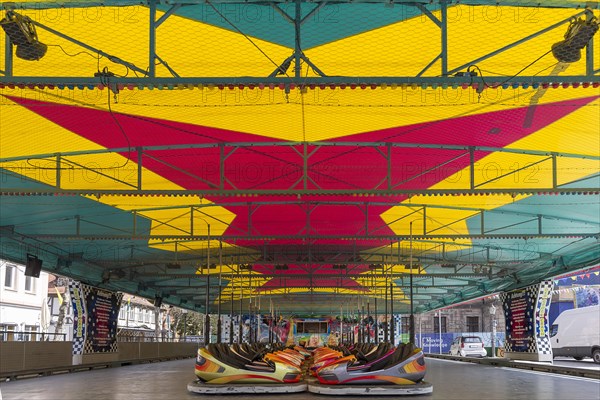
{"points": [[160, 339], [31, 336]]}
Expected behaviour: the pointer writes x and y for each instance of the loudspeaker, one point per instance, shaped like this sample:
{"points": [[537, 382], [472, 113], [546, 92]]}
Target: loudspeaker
{"points": [[578, 36], [157, 301], [33, 267], [21, 31]]}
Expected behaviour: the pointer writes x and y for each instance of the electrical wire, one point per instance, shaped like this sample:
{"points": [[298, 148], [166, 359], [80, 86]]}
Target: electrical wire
{"points": [[474, 66], [542, 70], [246, 36], [98, 56], [76, 54], [105, 80], [117, 121]]}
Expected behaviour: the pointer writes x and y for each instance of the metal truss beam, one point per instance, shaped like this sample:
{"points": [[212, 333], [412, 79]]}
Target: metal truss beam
{"points": [[394, 180], [422, 207], [310, 82], [593, 4], [445, 78], [366, 276], [233, 146], [313, 237]]}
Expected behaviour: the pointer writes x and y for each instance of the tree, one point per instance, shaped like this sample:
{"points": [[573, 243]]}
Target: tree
{"points": [[186, 322]]}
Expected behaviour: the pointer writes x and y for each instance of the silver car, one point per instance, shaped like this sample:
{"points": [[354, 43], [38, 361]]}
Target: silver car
{"points": [[466, 346]]}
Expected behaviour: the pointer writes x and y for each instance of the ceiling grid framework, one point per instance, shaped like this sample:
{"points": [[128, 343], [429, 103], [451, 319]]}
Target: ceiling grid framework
{"points": [[302, 151]]}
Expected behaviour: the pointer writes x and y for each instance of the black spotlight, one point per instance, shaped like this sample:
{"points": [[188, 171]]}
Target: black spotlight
{"points": [[33, 266], [21, 31], [577, 37]]}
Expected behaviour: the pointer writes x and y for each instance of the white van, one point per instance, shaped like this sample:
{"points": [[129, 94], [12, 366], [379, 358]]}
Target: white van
{"points": [[576, 333]]}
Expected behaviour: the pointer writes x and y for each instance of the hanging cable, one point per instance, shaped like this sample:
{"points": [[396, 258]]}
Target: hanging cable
{"points": [[244, 35], [474, 66]]}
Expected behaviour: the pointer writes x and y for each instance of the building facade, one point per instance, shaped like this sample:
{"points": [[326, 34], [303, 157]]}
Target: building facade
{"points": [[22, 302]]}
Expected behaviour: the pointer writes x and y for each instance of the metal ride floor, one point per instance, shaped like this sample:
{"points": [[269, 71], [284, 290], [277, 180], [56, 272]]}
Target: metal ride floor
{"points": [[168, 380]]}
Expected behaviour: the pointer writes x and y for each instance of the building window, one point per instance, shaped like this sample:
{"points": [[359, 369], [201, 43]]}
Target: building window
{"points": [[30, 332], [472, 324], [7, 332], [30, 284], [140, 317], [147, 316], [122, 312], [54, 306], [10, 278], [405, 328], [436, 324], [131, 313]]}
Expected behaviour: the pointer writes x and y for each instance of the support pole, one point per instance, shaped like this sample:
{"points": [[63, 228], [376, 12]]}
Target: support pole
{"points": [[270, 321], [231, 320], [589, 50], [392, 338], [367, 326], [297, 48], [241, 321], [387, 321], [219, 322], [341, 325], [8, 56], [375, 322], [207, 304], [412, 316], [152, 39], [440, 328], [444, 39]]}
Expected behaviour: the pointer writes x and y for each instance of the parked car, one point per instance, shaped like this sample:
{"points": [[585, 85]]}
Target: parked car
{"points": [[575, 333], [466, 346]]}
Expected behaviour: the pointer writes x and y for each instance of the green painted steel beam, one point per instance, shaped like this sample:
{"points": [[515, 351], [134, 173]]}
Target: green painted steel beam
{"points": [[258, 82], [46, 236], [361, 203], [46, 4], [232, 276], [293, 144], [20, 191]]}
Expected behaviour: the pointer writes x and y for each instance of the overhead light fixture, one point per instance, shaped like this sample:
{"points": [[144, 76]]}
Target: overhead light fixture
{"points": [[112, 274], [577, 37], [22, 33], [33, 266]]}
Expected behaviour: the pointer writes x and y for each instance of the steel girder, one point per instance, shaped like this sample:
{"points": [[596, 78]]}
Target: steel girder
{"points": [[447, 76], [304, 174]]}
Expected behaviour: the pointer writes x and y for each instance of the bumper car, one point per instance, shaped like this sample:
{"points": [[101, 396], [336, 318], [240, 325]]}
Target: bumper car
{"points": [[220, 364], [404, 365]]}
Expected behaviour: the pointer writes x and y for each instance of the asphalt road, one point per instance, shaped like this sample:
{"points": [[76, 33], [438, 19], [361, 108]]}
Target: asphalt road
{"points": [[452, 380]]}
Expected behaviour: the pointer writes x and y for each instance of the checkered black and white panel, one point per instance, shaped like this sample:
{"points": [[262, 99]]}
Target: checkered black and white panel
{"points": [[225, 319], [87, 345], [544, 346], [532, 292], [381, 334], [78, 345], [79, 316], [541, 315], [397, 322], [397, 326], [236, 328]]}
